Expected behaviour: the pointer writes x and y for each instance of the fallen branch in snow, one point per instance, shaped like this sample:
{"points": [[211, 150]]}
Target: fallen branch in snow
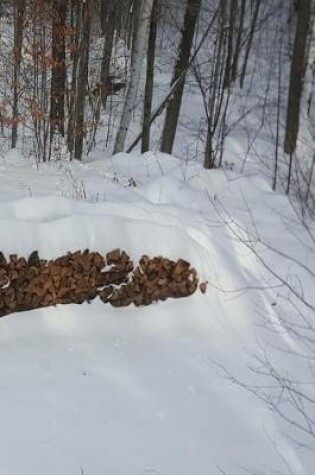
{"points": [[79, 277]]}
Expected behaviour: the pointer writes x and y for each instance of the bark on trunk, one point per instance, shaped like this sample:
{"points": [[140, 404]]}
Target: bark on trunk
{"points": [[19, 11], [250, 41], [173, 109], [149, 80], [238, 40], [76, 21], [58, 71], [82, 82], [298, 68], [139, 52]]}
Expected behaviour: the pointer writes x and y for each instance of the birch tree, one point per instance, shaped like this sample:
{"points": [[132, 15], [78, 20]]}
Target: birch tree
{"points": [[139, 51]]}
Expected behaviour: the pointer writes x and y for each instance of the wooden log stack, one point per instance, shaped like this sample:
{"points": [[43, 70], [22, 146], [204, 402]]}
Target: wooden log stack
{"points": [[154, 279], [79, 277]]}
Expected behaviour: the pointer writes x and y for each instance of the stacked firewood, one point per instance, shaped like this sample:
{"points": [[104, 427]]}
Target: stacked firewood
{"points": [[81, 276], [154, 279]]}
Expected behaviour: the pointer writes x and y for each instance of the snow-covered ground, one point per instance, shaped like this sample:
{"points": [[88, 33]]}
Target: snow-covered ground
{"points": [[95, 390]]}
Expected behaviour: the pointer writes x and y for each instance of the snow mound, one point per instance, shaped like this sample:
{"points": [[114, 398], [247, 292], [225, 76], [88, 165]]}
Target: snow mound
{"points": [[95, 390]]}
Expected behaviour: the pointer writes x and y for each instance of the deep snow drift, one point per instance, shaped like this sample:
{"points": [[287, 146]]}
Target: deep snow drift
{"points": [[96, 390]]}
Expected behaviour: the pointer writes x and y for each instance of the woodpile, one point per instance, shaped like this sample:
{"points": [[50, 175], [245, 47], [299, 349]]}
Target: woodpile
{"points": [[81, 276], [154, 279]]}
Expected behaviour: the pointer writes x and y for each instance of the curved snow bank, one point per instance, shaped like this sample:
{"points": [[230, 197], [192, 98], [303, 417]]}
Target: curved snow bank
{"points": [[132, 391], [53, 226]]}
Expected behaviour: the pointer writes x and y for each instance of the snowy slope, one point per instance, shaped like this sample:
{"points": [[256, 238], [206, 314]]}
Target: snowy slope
{"points": [[96, 390]]}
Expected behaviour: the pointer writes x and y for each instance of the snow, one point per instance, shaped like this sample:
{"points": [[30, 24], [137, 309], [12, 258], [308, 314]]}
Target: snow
{"points": [[96, 390]]}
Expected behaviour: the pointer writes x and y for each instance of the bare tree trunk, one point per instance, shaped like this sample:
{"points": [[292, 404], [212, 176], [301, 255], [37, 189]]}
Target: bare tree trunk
{"points": [[105, 65], [18, 11], [145, 145], [58, 71], [238, 40], [110, 21], [134, 26], [275, 175], [162, 106], [173, 108], [82, 82], [216, 92], [138, 55], [298, 68], [250, 41], [76, 22], [230, 43]]}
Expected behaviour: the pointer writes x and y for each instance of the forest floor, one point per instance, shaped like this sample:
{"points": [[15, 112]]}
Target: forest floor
{"points": [[209, 384]]}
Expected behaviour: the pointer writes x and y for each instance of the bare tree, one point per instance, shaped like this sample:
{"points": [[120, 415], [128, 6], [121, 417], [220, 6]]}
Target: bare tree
{"points": [[179, 76], [18, 12], [231, 35], [76, 23], [145, 145], [298, 68], [250, 40], [82, 81], [239, 36], [58, 70], [164, 103], [139, 49]]}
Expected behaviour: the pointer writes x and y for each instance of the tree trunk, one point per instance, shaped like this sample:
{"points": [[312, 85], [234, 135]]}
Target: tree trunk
{"points": [[140, 45], [250, 41], [216, 90], [298, 68], [19, 11], [76, 23], [110, 20], [82, 82], [58, 70], [238, 40], [162, 106], [145, 145], [173, 109], [230, 43], [105, 65]]}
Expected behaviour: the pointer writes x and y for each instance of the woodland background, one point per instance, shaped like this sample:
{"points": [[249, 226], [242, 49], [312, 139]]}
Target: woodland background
{"points": [[76, 76], [227, 88]]}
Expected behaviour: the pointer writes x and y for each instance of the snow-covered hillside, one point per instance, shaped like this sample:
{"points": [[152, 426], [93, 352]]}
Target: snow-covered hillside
{"points": [[212, 384]]}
